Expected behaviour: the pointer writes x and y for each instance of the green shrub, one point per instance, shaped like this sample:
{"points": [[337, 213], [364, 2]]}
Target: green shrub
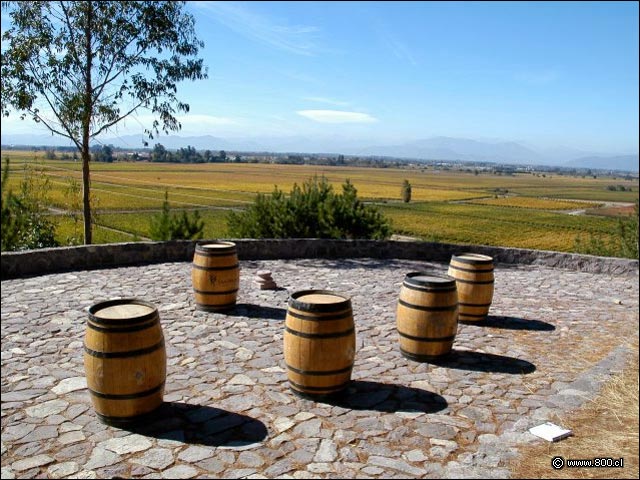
{"points": [[171, 226], [311, 211], [24, 222]]}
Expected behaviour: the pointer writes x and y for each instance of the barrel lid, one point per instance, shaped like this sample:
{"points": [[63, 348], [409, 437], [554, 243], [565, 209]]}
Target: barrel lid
{"points": [[319, 301], [216, 245], [473, 258], [129, 309], [429, 279]]}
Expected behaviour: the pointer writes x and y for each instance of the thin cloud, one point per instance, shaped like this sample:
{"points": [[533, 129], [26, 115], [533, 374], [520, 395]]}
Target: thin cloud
{"points": [[328, 101], [302, 77], [296, 39], [400, 50], [336, 116]]}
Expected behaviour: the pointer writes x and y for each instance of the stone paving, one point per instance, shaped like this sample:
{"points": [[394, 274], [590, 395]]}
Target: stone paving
{"points": [[552, 338]]}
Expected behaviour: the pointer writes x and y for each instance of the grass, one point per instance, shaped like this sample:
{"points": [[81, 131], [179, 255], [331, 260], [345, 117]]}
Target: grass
{"points": [[493, 225], [66, 229], [596, 192], [605, 427], [534, 203], [215, 224], [128, 227]]}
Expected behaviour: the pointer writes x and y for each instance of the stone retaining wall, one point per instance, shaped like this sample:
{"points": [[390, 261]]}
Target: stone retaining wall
{"points": [[53, 260]]}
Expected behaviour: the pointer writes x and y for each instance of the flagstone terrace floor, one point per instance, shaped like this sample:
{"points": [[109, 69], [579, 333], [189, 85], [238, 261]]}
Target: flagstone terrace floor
{"points": [[552, 337]]}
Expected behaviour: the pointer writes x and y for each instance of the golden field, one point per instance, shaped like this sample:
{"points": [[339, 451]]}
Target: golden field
{"points": [[519, 210]]}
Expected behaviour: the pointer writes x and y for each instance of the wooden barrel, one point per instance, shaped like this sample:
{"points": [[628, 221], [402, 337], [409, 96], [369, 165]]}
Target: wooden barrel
{"points": [[319, 343], [124, 360], [215, 276], [474, 276], [427, 315]]}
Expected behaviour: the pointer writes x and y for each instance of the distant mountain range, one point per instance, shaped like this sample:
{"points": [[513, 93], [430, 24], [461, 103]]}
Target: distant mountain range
{"points": [[435, 148]]}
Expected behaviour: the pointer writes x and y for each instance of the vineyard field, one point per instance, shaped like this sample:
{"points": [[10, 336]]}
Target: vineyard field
{"points": [[525, 210]]}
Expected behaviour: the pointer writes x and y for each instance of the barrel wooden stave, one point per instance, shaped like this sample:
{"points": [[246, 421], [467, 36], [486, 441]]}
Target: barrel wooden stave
{"points": [[125, 362], [426, 316], [475, 280], [319, 349], [215, 276]]}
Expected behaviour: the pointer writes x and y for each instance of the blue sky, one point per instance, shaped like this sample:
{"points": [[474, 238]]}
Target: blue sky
{"points": [[543, 73]]}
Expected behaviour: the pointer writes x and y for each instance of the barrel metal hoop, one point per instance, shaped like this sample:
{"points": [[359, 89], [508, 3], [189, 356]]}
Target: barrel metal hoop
{"points": [[338, 316], [222, 248], [471, 270], [128, 329], [473, 261], [474, 304], [126, 422], [128, 354], [329, 388], [207, 292], [209, 269], [319, 307], [222, 253], [420, 357], [425, 339], [413, 278], [319, 372], [446, 308], [420, 288], [127, 396], [473, 315], [121, 301], [344, 333]]}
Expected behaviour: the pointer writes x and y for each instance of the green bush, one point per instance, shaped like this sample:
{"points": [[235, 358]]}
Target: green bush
{"points": [[171, 226], [311, 211], [24, 222]]}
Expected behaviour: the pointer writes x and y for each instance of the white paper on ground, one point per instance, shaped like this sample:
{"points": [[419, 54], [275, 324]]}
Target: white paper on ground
{"points": [[550, 431]]}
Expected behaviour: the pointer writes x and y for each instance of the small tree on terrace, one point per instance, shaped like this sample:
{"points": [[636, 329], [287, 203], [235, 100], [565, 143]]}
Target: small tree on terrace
{"points": [[80, 67]]}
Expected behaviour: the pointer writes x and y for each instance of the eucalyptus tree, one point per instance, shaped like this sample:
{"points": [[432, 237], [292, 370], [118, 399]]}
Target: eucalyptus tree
{"points": [[80, 67]]}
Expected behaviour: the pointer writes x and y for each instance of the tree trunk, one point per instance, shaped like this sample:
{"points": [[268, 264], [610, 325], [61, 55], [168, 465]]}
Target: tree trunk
{"points": [[86, 197], [86, 124]]}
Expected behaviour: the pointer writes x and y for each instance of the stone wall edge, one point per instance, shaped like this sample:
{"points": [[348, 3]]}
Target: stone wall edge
{"points": [[91, 257]]}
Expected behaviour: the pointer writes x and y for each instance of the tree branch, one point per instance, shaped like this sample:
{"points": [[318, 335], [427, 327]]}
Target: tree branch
{"points": [[54, 130], [43, 89], [131, 61], [70, 31], [112, 123]]}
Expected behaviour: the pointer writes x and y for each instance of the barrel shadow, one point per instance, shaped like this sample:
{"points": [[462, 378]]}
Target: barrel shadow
{"points": [[257, 311], [385, 397], [484, 362], [197, 424], [512, 323]]}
